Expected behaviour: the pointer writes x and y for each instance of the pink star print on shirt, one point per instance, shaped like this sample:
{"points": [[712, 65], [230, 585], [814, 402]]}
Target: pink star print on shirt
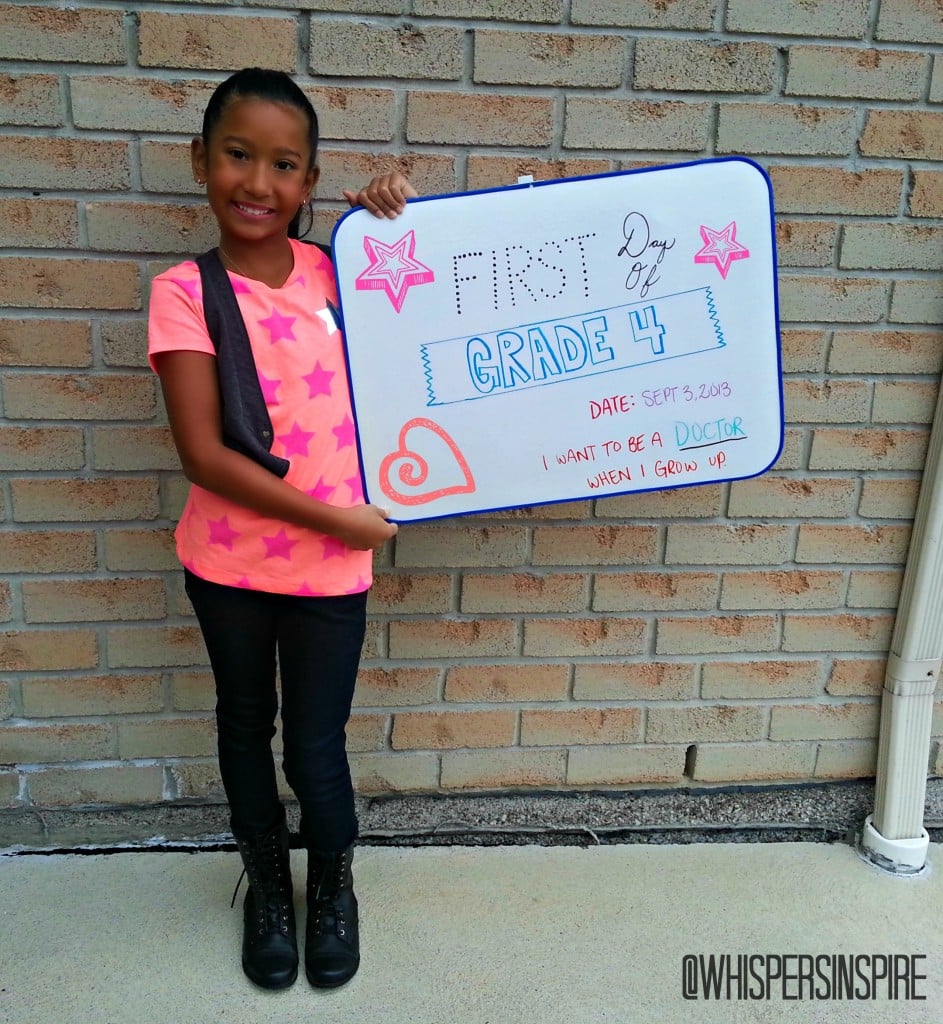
{"points": [[279, 546], [222, 533], [345, 433], [279, 326], [318, 381], [296, 440]]}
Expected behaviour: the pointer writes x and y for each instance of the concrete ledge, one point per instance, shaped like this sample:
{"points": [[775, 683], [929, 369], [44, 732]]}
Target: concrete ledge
{"points": [[812, 812]]}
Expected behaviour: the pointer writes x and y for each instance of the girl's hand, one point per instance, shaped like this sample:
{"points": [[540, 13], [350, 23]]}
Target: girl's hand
{"points": [[365, 527], [385, 196]]}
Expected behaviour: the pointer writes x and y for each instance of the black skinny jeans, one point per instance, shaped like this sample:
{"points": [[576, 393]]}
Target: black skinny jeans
{"points": [[317, 641]]}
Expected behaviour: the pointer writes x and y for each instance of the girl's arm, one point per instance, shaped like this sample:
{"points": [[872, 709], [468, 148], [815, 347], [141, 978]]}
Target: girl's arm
{"points": [[191, 394], [385, 196]]}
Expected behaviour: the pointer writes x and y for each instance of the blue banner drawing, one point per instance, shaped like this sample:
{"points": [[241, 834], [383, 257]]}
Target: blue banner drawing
{"points": [[600, 341]]}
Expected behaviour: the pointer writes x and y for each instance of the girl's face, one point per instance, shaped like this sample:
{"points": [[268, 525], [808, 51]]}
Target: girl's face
{"points": [[258, 169]]}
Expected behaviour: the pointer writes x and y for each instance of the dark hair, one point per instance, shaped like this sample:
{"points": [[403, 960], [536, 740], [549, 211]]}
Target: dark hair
{"points": [[263, 84]]}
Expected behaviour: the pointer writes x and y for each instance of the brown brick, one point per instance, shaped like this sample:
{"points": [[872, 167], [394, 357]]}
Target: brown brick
{"points": [[49, 448], [382, 774], [502, 769], [917, 301], [786, 589], [430, 173], [710, 723], [150, 104], [401, 593], [761, 679], [140, 550], [375, 643], [47, 551], [74, 35], [832, 190], [93, 600], [886, 352], [441, 546], [575, 726], [39, 744], [846, 759], [543, 58], [891, 247], [36, 650], [430, 730], [9, 789], [854, 73], [394, 687], [155, 646], [691, 65], [150, 227], [31, 161], [77, 787], [487, 683], [683, 14], [702, 502], [736, 545], [41, 342], [911, 21], [367, 50], [574, 637], [129, 448], [654, 591], [167, 737], [510, 593], [806, 243], [479, 119], [192, 691], [367, 731], [850, 720], [785, 128], [220, 42], [197, 780], [625, 765], [556, 510], [717, 634], [856, 677], [83, 500], [926, 199], [889, 498], [792, 497], [79, 396], [484, 638], [8, 703], [753, 762], [648, 680], [793, 454], [619, 124], [39, 223], [497, 171], [124, 343], [868, 449], [837, 632], [833, 542], [833, 299], [877, 589], [904, 402], [841, 18], [49, 283], [30, 100], [166, 167], [905, 134], [344, 113], [595, 545]]}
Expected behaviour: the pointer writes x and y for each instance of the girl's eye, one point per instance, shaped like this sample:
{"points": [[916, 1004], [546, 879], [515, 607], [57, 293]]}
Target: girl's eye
{"points": [[237, 154], [285, 165]]}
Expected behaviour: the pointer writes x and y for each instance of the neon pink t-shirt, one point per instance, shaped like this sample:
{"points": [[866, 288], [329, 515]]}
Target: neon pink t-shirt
{"points": [[299, 356]]}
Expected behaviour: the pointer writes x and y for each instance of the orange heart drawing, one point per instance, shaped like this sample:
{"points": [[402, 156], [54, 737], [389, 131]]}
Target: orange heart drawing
{"points": [[414, 471]]}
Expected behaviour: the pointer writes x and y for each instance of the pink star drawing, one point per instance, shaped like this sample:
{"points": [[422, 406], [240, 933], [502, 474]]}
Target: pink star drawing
{"points": [[279, 546], [721, 247], [356, 488], [279, 326], [318, 380], [345, 433], [222, 533], [322, 491], [191, 287], [393, 268], [296, 440], [334, 548], [269, 387]]}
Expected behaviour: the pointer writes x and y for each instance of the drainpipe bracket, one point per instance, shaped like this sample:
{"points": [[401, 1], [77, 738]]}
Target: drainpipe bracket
{"points": [[896, 856], [908, 677]]}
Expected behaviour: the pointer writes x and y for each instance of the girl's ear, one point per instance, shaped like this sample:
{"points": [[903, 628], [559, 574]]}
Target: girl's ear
{"points": [[311, 181], [198, 160]]}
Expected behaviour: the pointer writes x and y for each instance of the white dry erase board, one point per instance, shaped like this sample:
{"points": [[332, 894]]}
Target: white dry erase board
{"points": [[565, 339]]}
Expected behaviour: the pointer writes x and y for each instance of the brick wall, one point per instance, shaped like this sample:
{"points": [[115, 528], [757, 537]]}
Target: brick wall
{"points": [[726, 633]]}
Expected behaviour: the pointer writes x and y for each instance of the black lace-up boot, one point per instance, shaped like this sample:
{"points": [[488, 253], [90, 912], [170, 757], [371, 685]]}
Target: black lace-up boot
{"points": [[269, 944], [332, 938]]}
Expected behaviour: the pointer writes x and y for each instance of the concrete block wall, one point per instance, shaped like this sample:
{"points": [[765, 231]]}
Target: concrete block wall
{"points": [[712, 635]]}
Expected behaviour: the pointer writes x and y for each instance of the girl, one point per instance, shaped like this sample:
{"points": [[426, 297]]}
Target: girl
{"points": [[277, 562]]}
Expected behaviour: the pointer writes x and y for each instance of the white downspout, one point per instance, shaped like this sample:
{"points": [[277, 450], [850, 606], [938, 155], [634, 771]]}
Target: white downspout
{"points": [[894, 837]]}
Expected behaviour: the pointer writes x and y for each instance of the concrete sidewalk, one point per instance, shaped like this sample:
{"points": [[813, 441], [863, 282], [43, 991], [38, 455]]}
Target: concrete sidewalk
{"points": [[468, 935]]}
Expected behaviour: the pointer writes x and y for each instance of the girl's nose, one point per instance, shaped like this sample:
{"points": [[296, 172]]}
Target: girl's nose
{"points": [[257, 180]]}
